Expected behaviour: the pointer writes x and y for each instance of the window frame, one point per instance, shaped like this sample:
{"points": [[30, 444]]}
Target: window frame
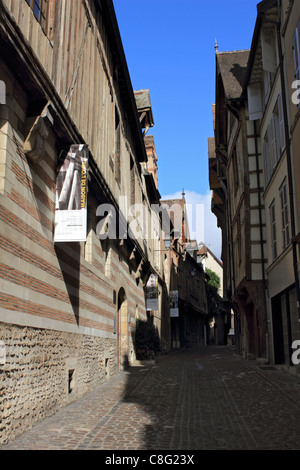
{"points": [[272, 213], [42, 8], [274, 140], [281, 123], [117, 147], [284, 207]]}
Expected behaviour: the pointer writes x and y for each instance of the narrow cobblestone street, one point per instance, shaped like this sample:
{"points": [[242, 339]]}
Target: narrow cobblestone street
{"points": [[193, 399]]}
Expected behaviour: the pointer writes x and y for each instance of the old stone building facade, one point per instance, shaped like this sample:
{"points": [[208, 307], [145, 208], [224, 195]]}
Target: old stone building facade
{"points": [[186, 280], [69, 306], [254, 178]]}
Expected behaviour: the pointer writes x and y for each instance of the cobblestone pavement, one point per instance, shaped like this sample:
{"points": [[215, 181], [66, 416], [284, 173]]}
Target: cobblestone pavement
{"points": [[201, 399]]}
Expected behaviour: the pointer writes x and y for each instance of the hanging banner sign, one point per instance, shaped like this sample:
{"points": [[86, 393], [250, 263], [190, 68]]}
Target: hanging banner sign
{"points": [[152, 293], [71, 196], [174, 310]]}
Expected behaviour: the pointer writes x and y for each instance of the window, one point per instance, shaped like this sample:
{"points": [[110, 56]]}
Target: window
{"points": [[117, 147], [236, 175], [284, 215], [296, 48], [39, 8], [273, 230], [268, 82], [271, 147], [266, 152], [268, 46], [281, 123], [255, 107], [132, 181], [274, 140]]}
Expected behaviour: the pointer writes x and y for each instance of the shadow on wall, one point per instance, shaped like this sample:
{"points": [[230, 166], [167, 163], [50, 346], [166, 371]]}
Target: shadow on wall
{"points": [[70, 270]]}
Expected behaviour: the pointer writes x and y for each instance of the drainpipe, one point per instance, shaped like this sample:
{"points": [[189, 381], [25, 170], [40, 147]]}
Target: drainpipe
{"points": [[261, 239]]}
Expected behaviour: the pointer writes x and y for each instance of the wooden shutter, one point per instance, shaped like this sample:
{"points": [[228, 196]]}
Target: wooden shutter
{"points": [[254, 102], [281, 123], [268, 51], [273, 139], [296, 47], [266, 154]]}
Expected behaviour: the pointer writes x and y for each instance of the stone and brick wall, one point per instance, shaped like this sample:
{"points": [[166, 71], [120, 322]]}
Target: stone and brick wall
{"points": [[47, 369], [61, 324]]}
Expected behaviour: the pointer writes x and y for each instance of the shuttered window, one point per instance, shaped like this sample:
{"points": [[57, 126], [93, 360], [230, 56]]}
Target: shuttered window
{"points": [[273, 230], [281, 123], [296, 48], [117, 163], [268, 46], [284, 215], [274, 140], [255, 102]]}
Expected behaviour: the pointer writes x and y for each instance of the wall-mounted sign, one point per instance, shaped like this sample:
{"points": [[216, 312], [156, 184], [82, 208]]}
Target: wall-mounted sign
{"points": [[152, 293], [71, 196], [174, 310]]}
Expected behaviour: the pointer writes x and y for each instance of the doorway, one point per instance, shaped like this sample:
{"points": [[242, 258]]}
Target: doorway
{"points": [[277, 330], [122, 339]]}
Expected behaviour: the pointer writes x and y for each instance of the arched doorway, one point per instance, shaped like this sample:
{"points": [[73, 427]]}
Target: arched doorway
{"points": [[122, 340]]}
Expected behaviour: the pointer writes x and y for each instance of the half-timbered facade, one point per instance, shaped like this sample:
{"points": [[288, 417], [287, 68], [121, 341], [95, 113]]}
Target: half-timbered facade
{"points": [[69, 305]]}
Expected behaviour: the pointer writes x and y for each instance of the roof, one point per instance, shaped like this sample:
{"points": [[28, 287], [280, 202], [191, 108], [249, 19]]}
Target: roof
{"points": [[233, 66], [142, 98], [203, 250], [143, 104]]}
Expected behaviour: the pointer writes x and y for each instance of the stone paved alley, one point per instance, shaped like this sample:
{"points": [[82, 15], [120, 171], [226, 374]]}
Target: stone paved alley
{"points": [[193, 399]]}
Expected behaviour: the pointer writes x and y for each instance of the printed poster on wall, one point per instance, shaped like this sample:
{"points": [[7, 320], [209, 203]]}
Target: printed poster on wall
{"points": [[152, 293], [174, 311], [71, 196]]}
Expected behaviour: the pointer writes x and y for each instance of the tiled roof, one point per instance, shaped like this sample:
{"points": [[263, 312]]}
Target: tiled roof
{"points": [[142, 98], [233, 67]]}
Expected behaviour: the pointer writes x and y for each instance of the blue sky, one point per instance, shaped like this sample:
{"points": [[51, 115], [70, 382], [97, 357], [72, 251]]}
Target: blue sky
{"points": [[169, 48]]}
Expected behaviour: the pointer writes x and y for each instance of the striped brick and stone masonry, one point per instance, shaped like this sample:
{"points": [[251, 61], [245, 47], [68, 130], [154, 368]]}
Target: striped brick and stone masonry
{"points": [[59, 306]]}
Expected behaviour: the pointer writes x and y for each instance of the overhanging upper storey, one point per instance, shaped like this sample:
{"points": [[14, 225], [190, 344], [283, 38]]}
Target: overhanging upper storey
{"points": [[231, 68], [143, 103]]}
